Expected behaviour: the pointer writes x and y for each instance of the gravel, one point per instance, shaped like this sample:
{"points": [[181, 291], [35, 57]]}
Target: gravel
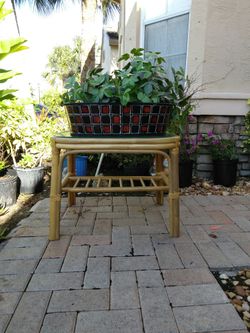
{"points": [[237, 288]]}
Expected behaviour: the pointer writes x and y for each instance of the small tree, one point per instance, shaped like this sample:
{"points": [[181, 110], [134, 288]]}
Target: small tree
{"points": [[64, 62]]}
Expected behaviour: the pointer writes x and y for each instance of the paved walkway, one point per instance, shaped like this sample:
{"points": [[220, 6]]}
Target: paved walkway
{"points": [[115, 269]]}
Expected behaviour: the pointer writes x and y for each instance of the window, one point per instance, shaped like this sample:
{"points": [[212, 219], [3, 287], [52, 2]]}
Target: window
{"points": [[169, 36]]}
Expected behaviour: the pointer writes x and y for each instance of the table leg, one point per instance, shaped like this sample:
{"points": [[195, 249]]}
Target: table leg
{"points": [[174, 213], [159, 168], [71, 171], [55, 195]]}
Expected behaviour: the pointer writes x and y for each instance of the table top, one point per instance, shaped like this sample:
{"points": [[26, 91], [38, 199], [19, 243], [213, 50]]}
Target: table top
{"points": [[67, 137]]}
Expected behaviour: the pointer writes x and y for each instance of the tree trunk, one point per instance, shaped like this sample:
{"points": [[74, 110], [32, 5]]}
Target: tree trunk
{"points": [[89, 31]]}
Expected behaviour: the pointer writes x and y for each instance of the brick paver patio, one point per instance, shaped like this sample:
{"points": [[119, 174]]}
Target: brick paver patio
{"points": [[115, 269]]}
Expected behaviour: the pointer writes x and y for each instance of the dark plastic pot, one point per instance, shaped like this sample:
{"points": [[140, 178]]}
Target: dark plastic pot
{"points": [[8, 190], [3, 172], [185, 173], [225, 172], [136, 170], [31, 180]]}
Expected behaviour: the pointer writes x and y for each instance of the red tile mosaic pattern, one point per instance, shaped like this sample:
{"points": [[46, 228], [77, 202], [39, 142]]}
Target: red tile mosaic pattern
{"points": [[115, 119]]}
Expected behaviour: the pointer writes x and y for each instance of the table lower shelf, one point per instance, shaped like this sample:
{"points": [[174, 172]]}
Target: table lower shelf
{"points": [[77, 184]]}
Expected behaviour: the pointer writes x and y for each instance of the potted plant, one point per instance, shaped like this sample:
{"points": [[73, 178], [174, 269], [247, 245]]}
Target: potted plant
{"points": [[181, 107], [30, 172], [8, 186], [8, 183], [3, 168], [135, 164], [132, 100], [189, 147], [223, 152]]}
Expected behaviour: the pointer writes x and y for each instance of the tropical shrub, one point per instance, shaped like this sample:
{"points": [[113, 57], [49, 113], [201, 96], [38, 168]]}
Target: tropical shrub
{"points": [[7, 47]]}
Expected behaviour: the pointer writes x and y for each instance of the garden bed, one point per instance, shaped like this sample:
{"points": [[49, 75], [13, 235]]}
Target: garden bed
{"points": [[236, 285]]}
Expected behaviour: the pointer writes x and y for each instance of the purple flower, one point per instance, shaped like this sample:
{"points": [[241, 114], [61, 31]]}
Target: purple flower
{"points": [[210, 134]]}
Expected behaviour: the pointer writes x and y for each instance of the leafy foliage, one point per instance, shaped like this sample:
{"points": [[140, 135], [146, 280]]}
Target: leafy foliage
{"points": [[3, 165], [190, 146], [221, 149], [142, 79], [180, 99], [64, 62], [8, 47], [22, 133]]}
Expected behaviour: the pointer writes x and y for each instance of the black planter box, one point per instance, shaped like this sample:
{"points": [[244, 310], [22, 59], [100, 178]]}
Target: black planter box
{"points": [[115, 119]]}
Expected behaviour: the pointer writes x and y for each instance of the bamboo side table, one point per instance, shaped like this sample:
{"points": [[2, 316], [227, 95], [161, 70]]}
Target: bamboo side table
{"points": [[164, 147]]}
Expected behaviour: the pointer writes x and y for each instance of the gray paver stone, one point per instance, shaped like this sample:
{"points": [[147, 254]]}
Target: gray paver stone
{"points": [[49, 265], [196, 295], [9, 283], [134, 263], [98, 273], [182, 277], [27, 242], [148, 229], [79, 300], [168, 257], [8, 302], [21, 253], [58, 248], [213, 255], [56, 281], [59, 323], [142, 245], [190, 256], [29, 314], [75, 259], [207, 318], [156, 311], [124, 292], [149, 279], [17, 266], [4, 319], [234, 253], [117, 321]]}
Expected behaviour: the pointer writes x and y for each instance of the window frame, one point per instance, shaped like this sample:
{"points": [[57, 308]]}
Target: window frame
{"points": [[161, 18]]}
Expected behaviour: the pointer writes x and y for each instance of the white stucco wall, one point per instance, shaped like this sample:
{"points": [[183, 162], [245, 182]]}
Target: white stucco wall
{"points": [[218, 55]]}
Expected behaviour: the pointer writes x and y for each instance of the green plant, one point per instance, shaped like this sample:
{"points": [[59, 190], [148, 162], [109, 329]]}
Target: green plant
{"points": [[28, 160], [23, 133], [8, 47], [181, 103], [63, 62], [189, 146], [3, 210], [142, 79], [132, 160], [221, 149], [3, 165]]}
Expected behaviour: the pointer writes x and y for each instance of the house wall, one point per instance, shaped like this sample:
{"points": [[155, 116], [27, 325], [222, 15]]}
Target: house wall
{"points": [[229, 127], [218, 63], [129, 26], [219, 55], [109, 54]]}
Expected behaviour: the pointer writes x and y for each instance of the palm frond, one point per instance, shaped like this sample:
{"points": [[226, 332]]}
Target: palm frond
{"points": [[43, 6], [110, 8]]}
